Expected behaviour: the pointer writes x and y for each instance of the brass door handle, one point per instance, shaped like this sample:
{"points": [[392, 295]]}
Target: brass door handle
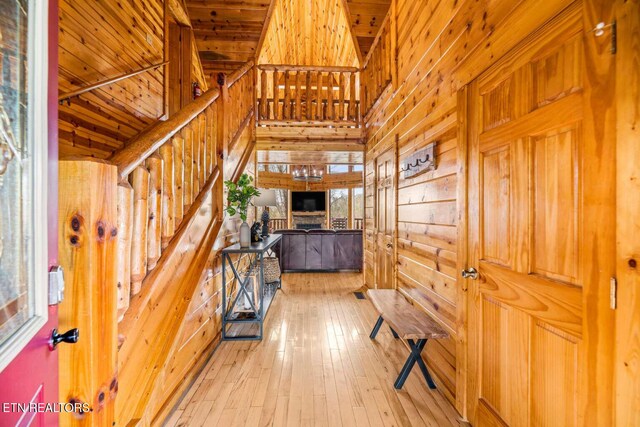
{"points": [[470, 273]]}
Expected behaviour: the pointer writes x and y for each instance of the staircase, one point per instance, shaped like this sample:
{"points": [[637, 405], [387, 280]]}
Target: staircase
{"points": [[137, 235]]}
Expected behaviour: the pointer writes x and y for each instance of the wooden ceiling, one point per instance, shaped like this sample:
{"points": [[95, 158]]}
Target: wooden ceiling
{"points": [[297, 32], [309, 32], [366, 16], [227, 32]]}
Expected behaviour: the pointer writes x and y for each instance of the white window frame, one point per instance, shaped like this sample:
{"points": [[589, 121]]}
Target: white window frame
{"points": [[37, 123]]}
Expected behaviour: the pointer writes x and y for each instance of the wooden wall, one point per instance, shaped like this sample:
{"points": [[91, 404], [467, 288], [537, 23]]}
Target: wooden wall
{"points": [[441, 46], [100, 40]]}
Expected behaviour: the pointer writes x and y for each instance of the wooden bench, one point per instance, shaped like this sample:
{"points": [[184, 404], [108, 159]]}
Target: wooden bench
{"points": [[408, 323]]}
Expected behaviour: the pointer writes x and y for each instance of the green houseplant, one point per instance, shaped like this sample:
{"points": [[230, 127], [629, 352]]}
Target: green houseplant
{"points": [[238, 201]]}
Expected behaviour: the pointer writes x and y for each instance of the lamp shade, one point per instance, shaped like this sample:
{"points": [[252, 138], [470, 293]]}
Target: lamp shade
{"points": [[266, 198]]}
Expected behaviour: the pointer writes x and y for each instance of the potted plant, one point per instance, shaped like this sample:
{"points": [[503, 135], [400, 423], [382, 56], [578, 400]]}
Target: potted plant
{"points": [[238, 202]]}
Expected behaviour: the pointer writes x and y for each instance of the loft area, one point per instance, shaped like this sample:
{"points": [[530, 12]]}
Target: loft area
{"points": [[319, 212]]}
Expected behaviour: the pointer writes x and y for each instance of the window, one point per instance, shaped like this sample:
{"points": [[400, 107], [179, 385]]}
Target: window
{"points": [[275, 167], [358, 168], [358, 207], [338, 168], [339, 208], [281, 209], [23, 172]]}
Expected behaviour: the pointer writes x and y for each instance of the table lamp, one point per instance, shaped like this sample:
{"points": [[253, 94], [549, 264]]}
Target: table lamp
{"points": [[266, 199]]}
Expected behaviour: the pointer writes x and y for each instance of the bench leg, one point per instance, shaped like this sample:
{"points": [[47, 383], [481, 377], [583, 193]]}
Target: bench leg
{"points": [[414, 357], [395, 334], [376, 328]]}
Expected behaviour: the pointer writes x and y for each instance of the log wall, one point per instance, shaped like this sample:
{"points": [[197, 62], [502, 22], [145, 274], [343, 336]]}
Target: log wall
{"points": [[441, 46]]}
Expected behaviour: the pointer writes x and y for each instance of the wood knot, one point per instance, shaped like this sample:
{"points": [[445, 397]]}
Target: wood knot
{"points": [[100, 229], [75, 223], [74, 240], [633, 263], [114, 232]]}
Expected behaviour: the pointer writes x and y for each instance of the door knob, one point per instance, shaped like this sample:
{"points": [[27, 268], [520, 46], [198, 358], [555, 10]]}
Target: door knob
{"points": [[470, 273], [70, 337]]}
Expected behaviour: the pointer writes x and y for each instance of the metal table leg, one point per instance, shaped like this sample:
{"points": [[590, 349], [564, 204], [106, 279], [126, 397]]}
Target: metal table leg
{"points": [[376, 328]]}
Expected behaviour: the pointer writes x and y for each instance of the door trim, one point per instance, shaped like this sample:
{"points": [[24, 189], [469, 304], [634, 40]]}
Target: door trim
{"points": [[38, 125]]}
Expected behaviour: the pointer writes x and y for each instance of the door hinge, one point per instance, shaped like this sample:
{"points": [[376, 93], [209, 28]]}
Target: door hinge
{"points": [[56, 285], [613, 293]]}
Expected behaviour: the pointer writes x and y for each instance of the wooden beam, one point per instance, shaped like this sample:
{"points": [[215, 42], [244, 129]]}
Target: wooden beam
{"points": [[265, 27], [88, 196], [352, 33], [294, 133], [179, 12]]}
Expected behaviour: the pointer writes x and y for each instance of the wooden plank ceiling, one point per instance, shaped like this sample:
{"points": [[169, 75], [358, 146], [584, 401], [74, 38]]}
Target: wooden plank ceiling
{"points": [[366, 16], [227, 32], [297, 32], [309, 32]]}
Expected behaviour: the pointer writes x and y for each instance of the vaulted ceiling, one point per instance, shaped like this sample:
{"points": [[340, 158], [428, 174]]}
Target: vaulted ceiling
{"points": [[307, 32], [227, 32]]}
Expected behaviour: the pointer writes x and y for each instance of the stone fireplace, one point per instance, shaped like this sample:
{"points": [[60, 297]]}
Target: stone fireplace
{"points": [[309, 220]]}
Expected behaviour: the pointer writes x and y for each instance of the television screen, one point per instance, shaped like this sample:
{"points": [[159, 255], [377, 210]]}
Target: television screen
{"points": [[308, 201]]}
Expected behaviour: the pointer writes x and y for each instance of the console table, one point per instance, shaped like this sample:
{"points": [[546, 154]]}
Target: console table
{"points": [[245, 307]]}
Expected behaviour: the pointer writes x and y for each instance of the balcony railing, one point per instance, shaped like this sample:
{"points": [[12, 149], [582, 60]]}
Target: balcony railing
{"points": [[277, 224], [308, 96], [357, 223]]}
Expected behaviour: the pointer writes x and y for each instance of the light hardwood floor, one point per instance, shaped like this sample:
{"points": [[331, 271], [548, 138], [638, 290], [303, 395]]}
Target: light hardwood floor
{"points": [[315, 366]]}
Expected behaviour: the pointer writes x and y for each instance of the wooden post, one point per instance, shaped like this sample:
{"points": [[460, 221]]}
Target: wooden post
{"points": [[87, 251], [200, 122], [212, 123], [187, 187], [154, 231], [276, 96], [330, 97], [139, 180], [168, 185], [350, 207], [342, 83], [298, 95], [308, 102], [178, 177], [287, 97], [352, 96], [264, 99], [223, 104], [125, 233], [319, 96], [195, 156]]}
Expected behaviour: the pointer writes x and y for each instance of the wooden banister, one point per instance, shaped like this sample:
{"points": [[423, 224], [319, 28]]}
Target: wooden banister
{"points": [[239, 73], [112, 80], [305, 68], [143, 145]]}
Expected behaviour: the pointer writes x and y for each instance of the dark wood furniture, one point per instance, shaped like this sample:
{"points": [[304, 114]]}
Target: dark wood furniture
{"points": [[408, 323], [320, 250]]}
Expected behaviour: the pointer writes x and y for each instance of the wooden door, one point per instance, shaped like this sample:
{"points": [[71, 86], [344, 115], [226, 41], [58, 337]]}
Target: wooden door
{"points": [[536, 337], [385, 215]]}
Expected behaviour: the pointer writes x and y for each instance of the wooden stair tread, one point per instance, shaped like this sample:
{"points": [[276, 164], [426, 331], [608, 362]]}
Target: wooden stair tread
{"points": [[408, 321]]}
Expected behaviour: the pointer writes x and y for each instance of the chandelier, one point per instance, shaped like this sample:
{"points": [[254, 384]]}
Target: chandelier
{"points": [[307, 173]]}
